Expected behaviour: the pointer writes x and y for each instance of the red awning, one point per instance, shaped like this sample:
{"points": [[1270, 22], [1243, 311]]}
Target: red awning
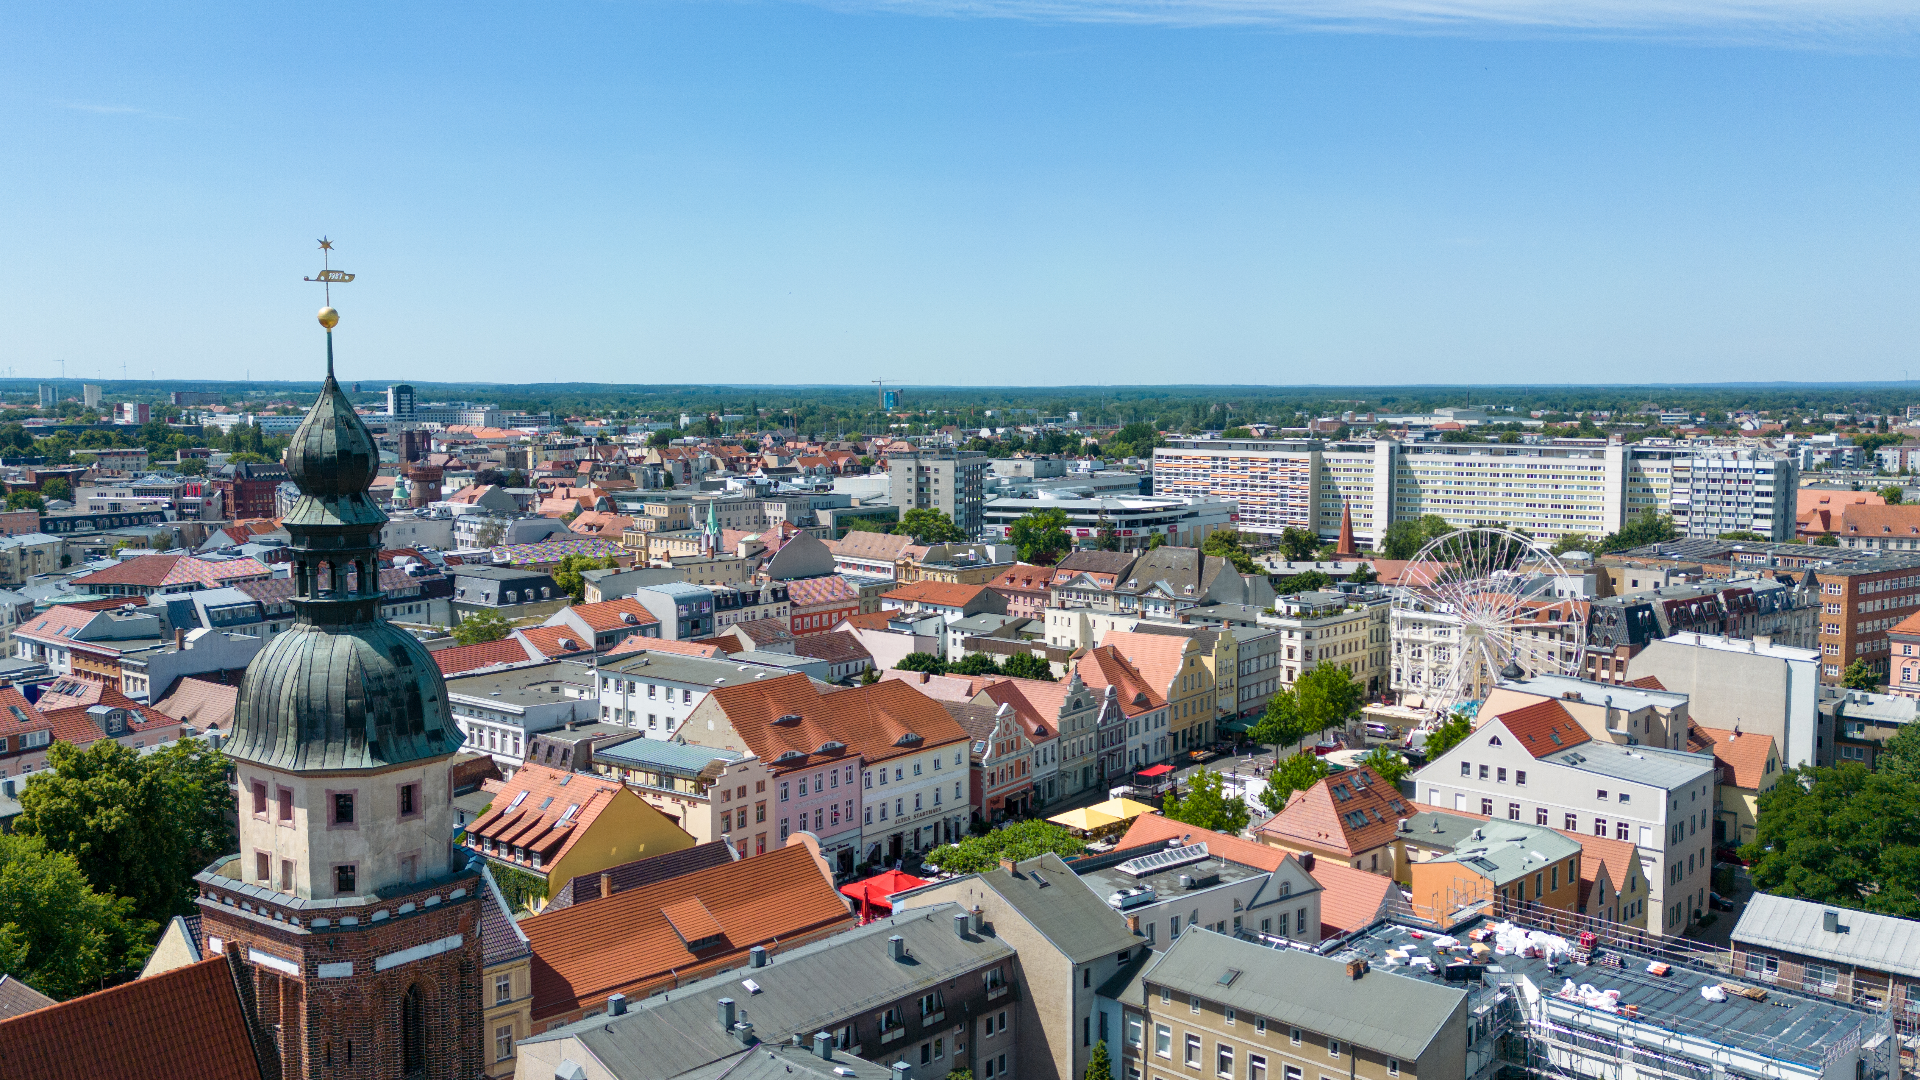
{"points": [[873, 892], [1157, 770]]}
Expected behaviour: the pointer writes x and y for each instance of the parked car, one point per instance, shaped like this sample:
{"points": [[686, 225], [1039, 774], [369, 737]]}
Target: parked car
{"points": [[1719, 903], [1200, 757], [1378, 730], [1727, 853]]}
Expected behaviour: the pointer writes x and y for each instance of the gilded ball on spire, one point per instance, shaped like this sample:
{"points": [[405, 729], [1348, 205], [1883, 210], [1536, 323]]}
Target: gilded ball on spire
{"points": [[329, 318]]}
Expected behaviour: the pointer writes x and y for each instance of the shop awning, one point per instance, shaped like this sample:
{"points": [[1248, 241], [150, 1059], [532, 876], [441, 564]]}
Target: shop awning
{"points": [[1157, 770], [874, 892]]}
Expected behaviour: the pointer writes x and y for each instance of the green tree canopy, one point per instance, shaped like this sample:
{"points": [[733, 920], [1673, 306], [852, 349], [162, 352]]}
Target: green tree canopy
{"points": [[481, 627], [1859, 676], [1298, 544], [922, 661], [57, 933], [1826, 540], [1099, 1065], [1894, 494], [1028, 665], [1133, 440], [1743, 536], [1363, 574], [140, 826], [974, 664], [1651, 527], [1447, 735], [1304, 581], [1237, 433], [1021, 840], [1041, 535], [1226, 544], [1282, 724], [1900, 757], [1387, 763], [1297, 773], [26, 500], [1207, 806], [56, 487], [1842, 836], [1572, 542], [929, 526], [569, 573]]}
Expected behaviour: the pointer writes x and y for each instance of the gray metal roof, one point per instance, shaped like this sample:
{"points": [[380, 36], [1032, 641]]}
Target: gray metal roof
{"points": [[1631, 698], [1876, 942], [687, 670], [1650, 765], [1396, 1017], [661, 755], [1510, 849], [802, 991], [1065, 910]]}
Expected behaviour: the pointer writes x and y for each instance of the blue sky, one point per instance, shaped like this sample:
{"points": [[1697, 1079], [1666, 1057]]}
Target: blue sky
{"points": [[967, 191]]}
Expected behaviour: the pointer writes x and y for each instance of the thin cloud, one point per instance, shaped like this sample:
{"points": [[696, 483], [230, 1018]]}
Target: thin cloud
{"points": [[113, 110], [1876, 24]]}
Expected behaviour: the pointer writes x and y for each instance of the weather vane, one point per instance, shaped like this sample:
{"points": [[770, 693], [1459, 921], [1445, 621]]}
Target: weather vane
{"points": [[328, 278]]}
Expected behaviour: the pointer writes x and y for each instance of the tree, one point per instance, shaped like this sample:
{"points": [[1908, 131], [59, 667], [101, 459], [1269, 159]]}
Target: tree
{"points": [[1900, 757], [662, 438], [1237, 433], [1297, 544], [1281, 725], [1572, 542], [1021, 840], [481, 627], [1206, 805], [1651, 527], [1387, 763], [1859, 676], [1894, 494], [1826, 540], [922, 661], [929, 526], [1305, 581], [1225, 544], [1843, 836], [567, 574], [975, 664], [1299, 772], [1447, 736], [1040, 535], [56, 487], [1402, 541], [1133, 440], [138, 826], [26, 500], [57, 933], [1328, 696], [1363, 575], [1099, 1066], [866, 524], [1026, 665]]}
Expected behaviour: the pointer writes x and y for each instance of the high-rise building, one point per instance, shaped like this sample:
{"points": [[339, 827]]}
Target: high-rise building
{"points": [[192, 397], [1723, 491], [358, 916], [90, 396], [132, 412], [48, 399], [400, 401], [953, 482]]}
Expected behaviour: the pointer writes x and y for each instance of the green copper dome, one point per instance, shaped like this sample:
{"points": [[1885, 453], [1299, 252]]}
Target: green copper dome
{"points": [[342, 688]]}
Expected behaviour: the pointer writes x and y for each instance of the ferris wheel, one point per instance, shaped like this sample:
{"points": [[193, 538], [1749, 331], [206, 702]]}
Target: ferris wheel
{"points": [[1474, 606]]}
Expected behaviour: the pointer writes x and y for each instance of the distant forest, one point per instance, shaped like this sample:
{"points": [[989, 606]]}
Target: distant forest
{"points": [[855, 408]]}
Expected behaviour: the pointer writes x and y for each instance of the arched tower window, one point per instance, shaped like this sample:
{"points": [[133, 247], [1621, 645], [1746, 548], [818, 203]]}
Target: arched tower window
{"points": [[413, 1033], [353, 578], [323, 579]]}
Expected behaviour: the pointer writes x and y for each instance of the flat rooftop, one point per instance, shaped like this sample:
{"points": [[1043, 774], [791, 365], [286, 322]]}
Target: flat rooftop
{"points": [[1651, 765], [523, 686], [1797, 1027], [1103, 873]]}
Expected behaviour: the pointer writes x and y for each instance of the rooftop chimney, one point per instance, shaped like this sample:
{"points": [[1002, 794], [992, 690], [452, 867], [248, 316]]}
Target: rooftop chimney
{"points": [[823, 1045], [1830, 922], [179, 638], [606, 885], [897, 947], [1006, 864], [757, 956], [726, 1014], [1306, 861], [617, 1004], [976, 919], [960, 924], [744, 1032]]}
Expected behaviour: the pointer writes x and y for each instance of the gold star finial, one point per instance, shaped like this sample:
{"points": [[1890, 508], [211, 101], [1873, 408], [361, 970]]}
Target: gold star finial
{"points": [[326, 244]]}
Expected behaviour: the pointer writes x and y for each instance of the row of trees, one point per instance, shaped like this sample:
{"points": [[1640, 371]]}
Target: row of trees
{"points": [[1024, 665], [925, 525]]}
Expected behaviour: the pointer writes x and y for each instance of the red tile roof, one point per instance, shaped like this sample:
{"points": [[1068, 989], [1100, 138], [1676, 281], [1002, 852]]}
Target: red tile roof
{"points": [[1104, 666], [1350, 812], [542, 810], [935, 593], [160, 571], [614, 614], [834, 646], [1158, 657], [554, 641], [637, 938], [1350, 900], [1036, 702], [507, 650], [1653, 683], [876, 722], [642, 643], [187, 1022], [205, 705], [1743, 755], [1544, 727]]}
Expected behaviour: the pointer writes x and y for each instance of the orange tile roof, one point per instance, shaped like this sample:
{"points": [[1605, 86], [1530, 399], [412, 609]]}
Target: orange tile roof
{"points": [[634, 940], [1350, 900], [1025, 577], [1865, 520], [554, 641], [507, 650], [1908, 625], [642, 643], [1158, 656], [1544, 727], [613, 614], [1104, 666], [542, 810], [1036, 701], [1350, 812], [600, 523], [938, 687], [938, 593], [1810, 499], [201, 703], [874, 722], [1648, 682], [868, 620], [1153, 828], [185, 1022], [1743, 754]]}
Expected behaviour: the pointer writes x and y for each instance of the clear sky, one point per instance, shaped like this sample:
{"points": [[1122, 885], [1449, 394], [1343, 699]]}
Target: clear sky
{"points": [[966, 191]]}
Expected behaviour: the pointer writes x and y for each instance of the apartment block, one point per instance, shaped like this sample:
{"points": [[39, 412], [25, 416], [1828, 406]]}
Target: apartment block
{"points": [[1734, 491], [950, 481]]}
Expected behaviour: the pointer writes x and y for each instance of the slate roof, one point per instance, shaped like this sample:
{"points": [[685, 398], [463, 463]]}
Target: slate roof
{"points": [[877, 722], [586, 951], [643, 872], [834, 646], [1392, 1016], [1350, 812], [185, 1022], [500, 937], [1867, 940], [17, 997], [1072, 917]]}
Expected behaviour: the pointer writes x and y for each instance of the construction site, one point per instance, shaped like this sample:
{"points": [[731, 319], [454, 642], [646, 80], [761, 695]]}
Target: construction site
{"points": [[1553, 994]]}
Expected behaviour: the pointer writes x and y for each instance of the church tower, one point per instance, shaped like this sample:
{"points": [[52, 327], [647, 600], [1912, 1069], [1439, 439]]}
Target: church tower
{"points": [[359, 916]]}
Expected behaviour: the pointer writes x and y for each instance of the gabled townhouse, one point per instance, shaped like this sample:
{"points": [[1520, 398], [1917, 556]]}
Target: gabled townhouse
{"points": [[1131, 729], [874, 553], [1745, 768], [609, 622], [1539, 764], [1000, 759], [1063, 713], [884, 751], [1220, 655], [1612, 885], [819, 604], [1027, 589], [551, 825], [90, 712], [1352, 817], [1176, 667], [714, 794], [952, 602]]}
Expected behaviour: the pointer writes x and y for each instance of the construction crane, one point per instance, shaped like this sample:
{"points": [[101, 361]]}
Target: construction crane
{"points": [[882, 384]]}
